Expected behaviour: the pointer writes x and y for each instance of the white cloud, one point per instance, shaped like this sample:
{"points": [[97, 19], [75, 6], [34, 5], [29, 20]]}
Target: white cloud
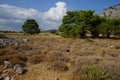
{"points": [[56, 13], [8, 11], [12, 17]]}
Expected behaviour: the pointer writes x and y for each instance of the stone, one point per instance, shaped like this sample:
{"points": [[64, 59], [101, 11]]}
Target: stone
{"points": [[111, 12], [19, 69], [1, 78], [55, 79], [7, 78], [25, 40], [3, 45], [111, 46], [16, 66], [13, 78], [7, 64], [4, 42]]}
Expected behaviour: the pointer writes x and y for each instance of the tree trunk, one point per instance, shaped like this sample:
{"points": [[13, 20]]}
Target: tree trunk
{"points": [[108, 33]]}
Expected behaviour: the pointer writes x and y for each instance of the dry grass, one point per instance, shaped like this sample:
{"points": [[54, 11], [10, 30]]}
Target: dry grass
{"points": [[47, 56]]}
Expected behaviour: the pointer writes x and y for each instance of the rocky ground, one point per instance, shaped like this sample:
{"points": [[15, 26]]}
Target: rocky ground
{"points": [[49, 57], [111, 12]]}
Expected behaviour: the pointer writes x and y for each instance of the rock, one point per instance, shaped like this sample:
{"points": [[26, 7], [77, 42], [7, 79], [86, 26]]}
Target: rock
{"points": [[3, 45], [19, 69], [7, 64], [7, 78], [6, 71], [55, 79], [111, 12], [16, 66], [111, 46], [1, 78], [25, 40], [13, 78], [4, 42]]}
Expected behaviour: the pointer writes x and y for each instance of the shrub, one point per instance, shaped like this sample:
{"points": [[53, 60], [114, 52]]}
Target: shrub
{"points": [[96, 73], [2, 36], [59, 66], [3, 58], [35, 59], [89, 40], [16, 60], [2, 52]]}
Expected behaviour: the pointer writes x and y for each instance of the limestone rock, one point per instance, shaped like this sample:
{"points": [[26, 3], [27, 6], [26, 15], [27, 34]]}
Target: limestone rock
{"points": [[7, 78], [111, 12], [7, 64], [19, 69]]}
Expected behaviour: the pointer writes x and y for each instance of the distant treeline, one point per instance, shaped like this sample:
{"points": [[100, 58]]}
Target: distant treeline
{"points": [[11, 31], [53, 31]]}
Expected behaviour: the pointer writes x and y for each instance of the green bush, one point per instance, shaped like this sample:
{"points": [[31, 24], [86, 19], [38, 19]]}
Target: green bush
{"points": [[89, 40], [96, 73]]}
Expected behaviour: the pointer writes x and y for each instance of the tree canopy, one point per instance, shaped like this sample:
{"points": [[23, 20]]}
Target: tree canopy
{"points": [[30, 26], [80, 23]]}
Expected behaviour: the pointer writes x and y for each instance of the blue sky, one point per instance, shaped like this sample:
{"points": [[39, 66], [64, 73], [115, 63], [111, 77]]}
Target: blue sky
{"points": [[44, 5], [48, 13]]}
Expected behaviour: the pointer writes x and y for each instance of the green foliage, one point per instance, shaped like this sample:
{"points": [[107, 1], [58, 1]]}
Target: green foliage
{"points": [[89, 40], [94, 22], [109, 26], [52, 31], [30, 26], [95, 73], [76, 24]]}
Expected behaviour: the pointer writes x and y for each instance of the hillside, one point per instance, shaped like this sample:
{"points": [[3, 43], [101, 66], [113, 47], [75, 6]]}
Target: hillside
{"points": [[47, 57], [112, 12]]}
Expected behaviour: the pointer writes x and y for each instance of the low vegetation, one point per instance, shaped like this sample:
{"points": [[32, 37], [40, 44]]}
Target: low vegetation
{"points": [[50, 57]]}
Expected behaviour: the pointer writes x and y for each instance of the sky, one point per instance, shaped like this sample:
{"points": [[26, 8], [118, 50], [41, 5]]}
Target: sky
{"points": [[47, 13]]}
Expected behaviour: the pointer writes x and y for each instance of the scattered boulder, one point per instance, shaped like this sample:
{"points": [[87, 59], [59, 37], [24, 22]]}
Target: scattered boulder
{"points": [[3, 45], [7, 64], [111, 12], [25, 40], [19, 69], [4, 42], [55, 79], [13, 78], [111, 46], [16, 66], [1, 78], [7, 78]]}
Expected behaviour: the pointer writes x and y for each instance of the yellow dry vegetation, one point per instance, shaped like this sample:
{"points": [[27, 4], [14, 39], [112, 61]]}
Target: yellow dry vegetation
{"points": [[71, 54]]}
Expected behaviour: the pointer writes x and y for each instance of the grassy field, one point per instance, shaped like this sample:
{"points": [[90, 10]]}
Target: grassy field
{"points": [[48, 56]]}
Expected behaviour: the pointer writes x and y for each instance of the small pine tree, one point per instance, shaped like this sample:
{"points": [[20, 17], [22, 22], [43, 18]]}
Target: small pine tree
{"points": [[30, 26]]}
